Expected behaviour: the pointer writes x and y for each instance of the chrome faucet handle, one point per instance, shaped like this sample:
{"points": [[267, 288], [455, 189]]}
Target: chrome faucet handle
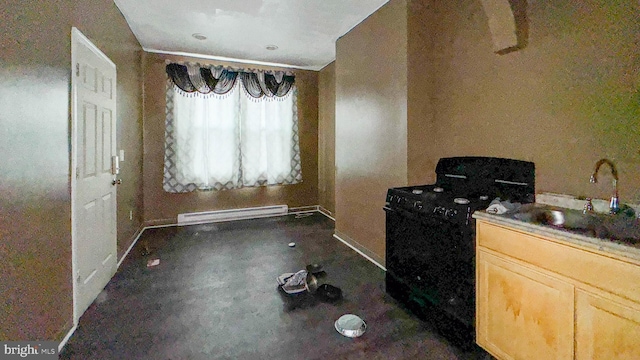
{"points": [[588, 207], [614, 205]]}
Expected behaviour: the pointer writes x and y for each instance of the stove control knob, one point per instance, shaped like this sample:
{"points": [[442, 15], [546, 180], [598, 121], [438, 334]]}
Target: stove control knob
{"points": [[452, 213], [417, 205]]}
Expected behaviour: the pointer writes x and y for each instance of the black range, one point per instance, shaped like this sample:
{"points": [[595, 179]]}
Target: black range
{"points": [[430, 234]]}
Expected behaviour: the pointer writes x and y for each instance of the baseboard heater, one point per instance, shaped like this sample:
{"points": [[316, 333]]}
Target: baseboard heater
{"points": [[232, 214]]}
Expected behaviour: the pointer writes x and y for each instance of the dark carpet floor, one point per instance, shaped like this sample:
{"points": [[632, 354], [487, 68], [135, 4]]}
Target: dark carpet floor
{"points": [[214, 296]]}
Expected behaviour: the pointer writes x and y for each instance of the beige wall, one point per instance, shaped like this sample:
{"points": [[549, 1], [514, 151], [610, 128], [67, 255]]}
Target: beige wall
{"points": [[371, 124], [162, 207], [327, 137], [567, 99], [35, 205], [420, 91]]}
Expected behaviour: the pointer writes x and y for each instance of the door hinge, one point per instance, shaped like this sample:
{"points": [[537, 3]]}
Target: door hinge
{"points": [[77, 69]]}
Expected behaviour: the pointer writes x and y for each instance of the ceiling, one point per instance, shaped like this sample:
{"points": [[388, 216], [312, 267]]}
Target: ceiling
{"points": [[304, 31]]}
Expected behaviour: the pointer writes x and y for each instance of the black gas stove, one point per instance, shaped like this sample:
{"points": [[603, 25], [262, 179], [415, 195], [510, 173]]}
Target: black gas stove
{"points": [[435, 201], [430, 234]]}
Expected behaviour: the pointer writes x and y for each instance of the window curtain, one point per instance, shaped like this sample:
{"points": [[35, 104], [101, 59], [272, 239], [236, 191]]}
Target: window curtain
{"points": [[229, 129]]}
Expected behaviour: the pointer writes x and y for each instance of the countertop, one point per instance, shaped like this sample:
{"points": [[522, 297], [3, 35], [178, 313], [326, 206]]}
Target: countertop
{"points": [[612, 247]]}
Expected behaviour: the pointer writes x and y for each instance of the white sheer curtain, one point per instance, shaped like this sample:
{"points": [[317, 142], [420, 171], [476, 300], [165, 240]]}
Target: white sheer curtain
{"points": [[208, 139], [216, 142], [266, 139]]}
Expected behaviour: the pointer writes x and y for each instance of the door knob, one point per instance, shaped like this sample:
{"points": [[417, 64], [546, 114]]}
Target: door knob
{"points": [[116, 182]]}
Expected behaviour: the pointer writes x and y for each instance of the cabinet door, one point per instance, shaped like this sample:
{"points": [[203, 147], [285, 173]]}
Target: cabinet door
{"points": [[606, 328], [522, 313]]}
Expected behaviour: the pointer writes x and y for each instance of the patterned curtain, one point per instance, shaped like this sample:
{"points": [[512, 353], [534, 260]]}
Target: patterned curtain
{"points": [[192, 78], [221, 133]]}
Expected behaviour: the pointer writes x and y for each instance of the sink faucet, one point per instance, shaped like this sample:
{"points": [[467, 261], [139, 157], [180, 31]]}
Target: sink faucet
{"points": [[614, 206], [588, 207]]}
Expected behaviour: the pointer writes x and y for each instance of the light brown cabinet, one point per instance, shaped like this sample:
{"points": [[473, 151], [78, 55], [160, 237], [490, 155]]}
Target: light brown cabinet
{"points": [[523, 314], [539, 298], [606, 328]]}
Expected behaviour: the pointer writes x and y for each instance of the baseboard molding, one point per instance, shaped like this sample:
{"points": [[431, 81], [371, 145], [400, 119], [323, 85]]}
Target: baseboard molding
{"points": [[161, 223], [312, 209], [303, 209], [366, 253], [66, 338], [136, 236], [326, 213]]}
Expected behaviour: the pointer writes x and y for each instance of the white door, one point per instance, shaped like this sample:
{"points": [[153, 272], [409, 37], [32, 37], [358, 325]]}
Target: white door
{"points": [[93, 192]]}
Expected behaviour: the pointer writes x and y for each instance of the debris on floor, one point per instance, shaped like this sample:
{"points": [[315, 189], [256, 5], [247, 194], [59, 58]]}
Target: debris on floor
{"points": [[294, 283], [328, 293], [303, 215], [350, 325], [102, 297], [307, 281], [314, 268], [153, 262], [146, 249], [208, 227], [292, 244]]}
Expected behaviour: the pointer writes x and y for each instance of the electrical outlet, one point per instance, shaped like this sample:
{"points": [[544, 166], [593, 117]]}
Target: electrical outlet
{"points": [[130, 214]]}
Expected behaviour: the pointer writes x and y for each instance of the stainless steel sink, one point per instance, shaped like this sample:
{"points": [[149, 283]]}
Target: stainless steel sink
{"points": [[612, 227]]}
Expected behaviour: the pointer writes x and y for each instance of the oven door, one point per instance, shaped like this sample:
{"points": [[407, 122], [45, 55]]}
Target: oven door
{"points": [[434, 258]]}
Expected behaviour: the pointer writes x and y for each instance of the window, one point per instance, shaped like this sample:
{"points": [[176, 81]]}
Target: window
{"points": [[235, 139]]}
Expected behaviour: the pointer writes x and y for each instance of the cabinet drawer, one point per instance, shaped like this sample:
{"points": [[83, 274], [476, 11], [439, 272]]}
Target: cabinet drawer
{"points": [[585, 266]]}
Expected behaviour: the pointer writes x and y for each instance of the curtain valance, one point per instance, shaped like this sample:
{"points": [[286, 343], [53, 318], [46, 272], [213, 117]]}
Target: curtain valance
{"points": [[218, 80]]}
